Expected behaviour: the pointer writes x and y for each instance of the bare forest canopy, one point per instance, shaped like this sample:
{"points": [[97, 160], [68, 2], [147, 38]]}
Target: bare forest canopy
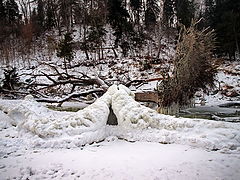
{"points": [[29, 24]]}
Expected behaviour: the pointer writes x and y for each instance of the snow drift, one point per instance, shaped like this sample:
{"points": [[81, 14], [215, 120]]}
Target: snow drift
{"points": [[143, 123], [31, 116], [135, 122]]}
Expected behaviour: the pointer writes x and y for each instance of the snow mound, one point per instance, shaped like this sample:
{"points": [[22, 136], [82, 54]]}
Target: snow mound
{"points": [[47, 128], [68, 142], [39, 120], [131, 113], [146, 124]]}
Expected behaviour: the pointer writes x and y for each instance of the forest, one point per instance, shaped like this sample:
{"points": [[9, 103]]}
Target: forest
{"points": [[26, 24], [88, 33]]}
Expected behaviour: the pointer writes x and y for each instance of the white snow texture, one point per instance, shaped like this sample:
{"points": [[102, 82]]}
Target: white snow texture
{"points": [[49, 128]]}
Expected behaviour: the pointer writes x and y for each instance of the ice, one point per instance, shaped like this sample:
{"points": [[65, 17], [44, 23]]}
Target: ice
{"points": [[145, 124], [5, 120], [30, 115], [135, 123], [47, 144]]}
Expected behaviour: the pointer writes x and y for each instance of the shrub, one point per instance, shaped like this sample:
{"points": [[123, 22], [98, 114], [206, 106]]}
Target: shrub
{"points": [[193, 67]]}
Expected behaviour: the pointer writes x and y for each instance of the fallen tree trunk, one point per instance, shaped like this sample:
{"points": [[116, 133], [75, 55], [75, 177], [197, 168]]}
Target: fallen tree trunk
{"points": [[72, 95]]}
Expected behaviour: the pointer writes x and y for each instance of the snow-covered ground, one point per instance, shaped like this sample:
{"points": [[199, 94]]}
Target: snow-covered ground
{"points": [[38, 143], [224, 80], [117, 159]]}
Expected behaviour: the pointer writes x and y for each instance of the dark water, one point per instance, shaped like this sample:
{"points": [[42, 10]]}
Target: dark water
{"points": [[229, 112]]}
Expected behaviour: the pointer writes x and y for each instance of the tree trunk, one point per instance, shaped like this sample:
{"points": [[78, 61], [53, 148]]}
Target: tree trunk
{"points": [[237, 49]]}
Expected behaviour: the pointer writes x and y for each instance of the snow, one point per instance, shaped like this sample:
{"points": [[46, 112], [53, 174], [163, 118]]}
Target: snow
{"points": [[224, 79], [5, 120], [37, 143], [135, 123], [119, 159], [145, 124], [30, 116]]}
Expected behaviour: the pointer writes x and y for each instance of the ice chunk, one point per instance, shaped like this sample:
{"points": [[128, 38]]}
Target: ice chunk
{"points": [[146, 124], [32, 116]]}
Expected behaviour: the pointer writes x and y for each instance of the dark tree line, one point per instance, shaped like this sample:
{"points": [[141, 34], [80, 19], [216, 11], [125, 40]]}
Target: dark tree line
{"points": [[9, 18], [224, 17]]}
